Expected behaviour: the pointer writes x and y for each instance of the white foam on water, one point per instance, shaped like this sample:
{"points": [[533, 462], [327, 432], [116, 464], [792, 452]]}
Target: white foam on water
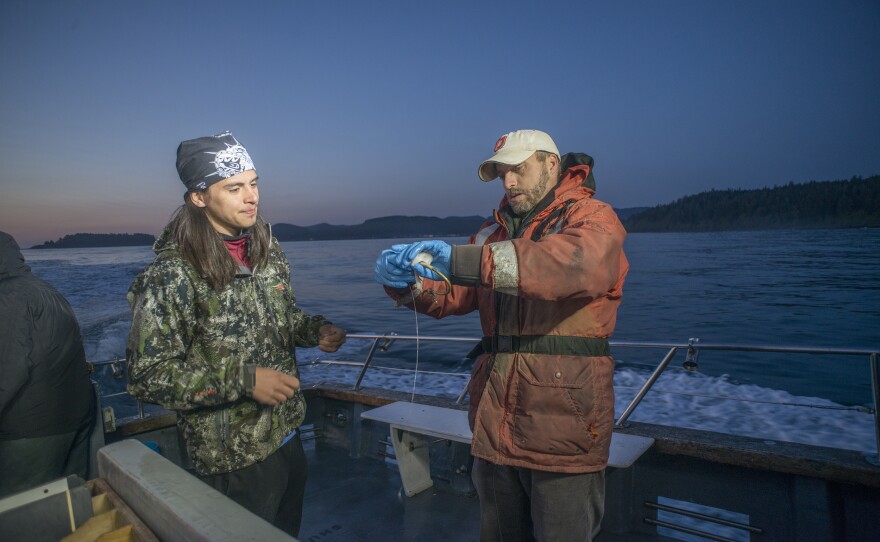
{"points": [[698, 401], [107, 340], [678, 399]]}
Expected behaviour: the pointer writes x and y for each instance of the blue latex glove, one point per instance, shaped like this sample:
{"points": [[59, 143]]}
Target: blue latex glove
{"points": [[404, 254], [440, 250], [387, 272]]}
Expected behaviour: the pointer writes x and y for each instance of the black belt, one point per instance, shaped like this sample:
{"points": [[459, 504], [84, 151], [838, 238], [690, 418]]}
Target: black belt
{"points": [[555, 345]]}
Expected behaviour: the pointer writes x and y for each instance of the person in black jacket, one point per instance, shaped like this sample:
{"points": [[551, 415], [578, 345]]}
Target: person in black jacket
{"points": [[47, 403]]}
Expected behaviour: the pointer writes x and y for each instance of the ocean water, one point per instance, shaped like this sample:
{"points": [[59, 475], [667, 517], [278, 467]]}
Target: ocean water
{"points": [[806, 288]]}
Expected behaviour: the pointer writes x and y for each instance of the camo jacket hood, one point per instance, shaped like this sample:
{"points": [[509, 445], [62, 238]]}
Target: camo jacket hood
{"points": [[190, 347]]}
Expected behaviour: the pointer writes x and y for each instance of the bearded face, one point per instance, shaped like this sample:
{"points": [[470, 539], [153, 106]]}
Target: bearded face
{"points": [[527, 190]]}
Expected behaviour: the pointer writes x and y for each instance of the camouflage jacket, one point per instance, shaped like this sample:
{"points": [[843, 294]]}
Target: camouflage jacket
{"points": [[194, 350]]}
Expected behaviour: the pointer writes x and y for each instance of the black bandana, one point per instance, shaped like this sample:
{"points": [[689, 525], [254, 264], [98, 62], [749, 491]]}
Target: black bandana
{"points": [[203, 161]]}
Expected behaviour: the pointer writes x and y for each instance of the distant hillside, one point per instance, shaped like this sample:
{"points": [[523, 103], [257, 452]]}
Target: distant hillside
{"points": [[623, 214], [383, 228], [81, 240], [831, 204], [375, 228]]}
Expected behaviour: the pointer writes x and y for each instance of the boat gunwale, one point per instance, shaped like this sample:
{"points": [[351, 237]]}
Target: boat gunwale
{"points": [[825, 463]]}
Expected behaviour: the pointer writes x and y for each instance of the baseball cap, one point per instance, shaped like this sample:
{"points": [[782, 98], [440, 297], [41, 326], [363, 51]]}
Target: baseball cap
{"points": [[514, 148]]}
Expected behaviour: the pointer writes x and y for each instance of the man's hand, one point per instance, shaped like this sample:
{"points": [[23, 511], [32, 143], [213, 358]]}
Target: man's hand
{"points": [[273, 387], [330, 338], [439, 250], [442, 254], [388, 273]]}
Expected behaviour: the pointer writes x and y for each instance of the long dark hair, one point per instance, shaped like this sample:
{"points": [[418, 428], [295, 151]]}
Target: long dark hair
{"points": [[202, 246]]}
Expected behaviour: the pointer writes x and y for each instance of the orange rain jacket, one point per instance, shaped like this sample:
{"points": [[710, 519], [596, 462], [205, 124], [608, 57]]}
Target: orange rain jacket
{"points": [[541, 392]]}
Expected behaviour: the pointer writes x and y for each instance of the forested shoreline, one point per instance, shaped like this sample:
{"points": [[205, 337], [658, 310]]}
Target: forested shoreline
{"points": [[814, 205], [853, 203], [80, 240]]}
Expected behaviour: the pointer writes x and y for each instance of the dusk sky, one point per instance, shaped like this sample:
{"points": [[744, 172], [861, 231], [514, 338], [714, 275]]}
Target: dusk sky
{"points": [[355, 110]]}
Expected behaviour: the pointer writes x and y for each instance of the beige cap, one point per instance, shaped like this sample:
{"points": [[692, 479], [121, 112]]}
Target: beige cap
{"points": [[515, 148]]}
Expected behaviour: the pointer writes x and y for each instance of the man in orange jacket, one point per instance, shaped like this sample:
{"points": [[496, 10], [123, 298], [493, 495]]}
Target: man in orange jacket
{"points": [[546, 274]]}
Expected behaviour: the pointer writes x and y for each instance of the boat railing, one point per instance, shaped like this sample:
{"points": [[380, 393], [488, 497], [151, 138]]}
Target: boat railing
{"points": [[692, 349]]}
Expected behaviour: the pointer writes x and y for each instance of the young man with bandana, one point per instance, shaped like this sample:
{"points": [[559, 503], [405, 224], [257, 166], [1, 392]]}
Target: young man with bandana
{"points": [[214, 331], [546, 274]]}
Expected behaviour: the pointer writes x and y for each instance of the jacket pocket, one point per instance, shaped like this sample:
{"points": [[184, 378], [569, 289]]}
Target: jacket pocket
{"points": [[553, 405], [476, 385]]}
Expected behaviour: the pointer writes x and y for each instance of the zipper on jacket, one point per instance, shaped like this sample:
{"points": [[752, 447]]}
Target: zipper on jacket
{"points": [[261, 292], [267, 302], [222, 421]]}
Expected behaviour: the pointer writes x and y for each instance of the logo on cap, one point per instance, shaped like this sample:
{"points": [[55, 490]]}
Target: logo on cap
{"points": [[500, 143]]}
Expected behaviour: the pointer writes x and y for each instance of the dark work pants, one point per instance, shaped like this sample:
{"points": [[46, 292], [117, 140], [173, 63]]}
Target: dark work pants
{"points": [[272, 489], [524, 505], [28, 462]]}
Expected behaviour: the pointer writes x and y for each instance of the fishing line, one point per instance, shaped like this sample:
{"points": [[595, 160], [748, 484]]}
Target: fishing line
{"points": [[412, 292], [424, 259]]}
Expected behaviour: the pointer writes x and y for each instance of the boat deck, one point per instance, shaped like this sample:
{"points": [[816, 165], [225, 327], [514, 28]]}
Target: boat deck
{"points": [[361, 499], [689, 482]]}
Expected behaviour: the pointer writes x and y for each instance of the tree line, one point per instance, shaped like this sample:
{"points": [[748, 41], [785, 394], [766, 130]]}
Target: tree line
{"points": [[79, 240], [853, 203], [829, 204]]}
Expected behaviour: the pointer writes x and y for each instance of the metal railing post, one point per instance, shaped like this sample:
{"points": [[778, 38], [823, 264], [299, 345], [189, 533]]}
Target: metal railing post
{"points": [[875, 392], [463, 392], [638, 398], [366, 366]]}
